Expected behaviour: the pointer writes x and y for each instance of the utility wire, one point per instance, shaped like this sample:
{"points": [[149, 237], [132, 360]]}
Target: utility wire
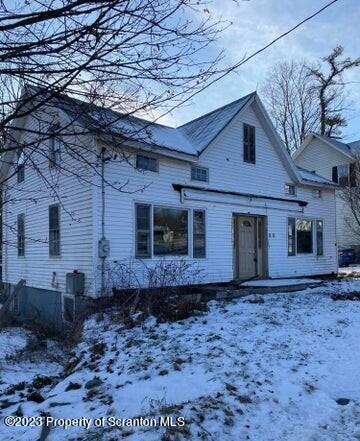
{"points": [[254, 54]]}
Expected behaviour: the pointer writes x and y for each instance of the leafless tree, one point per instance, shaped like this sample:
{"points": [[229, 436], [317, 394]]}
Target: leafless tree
{"points": [[304, 98], [349, 192], [291, 100], [136, 57], [329, 85]]}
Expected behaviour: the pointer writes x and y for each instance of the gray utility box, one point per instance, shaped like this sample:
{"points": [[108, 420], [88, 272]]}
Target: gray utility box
{"points": [[75, 283]]}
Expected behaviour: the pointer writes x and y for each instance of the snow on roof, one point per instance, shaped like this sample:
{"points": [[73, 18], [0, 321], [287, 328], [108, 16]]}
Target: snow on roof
{"points": [[191, 138], [355, 147], [348, 149], [311, 176], [201, 131]]}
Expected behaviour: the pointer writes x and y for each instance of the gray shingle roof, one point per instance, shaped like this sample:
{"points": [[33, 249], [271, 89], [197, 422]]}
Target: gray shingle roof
{"points": [[191, 138], [336, 143], [203, 130], [310, 176]]}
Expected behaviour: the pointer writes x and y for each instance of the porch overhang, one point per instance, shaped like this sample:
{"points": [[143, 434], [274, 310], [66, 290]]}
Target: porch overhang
{"points": [[223, 196]]}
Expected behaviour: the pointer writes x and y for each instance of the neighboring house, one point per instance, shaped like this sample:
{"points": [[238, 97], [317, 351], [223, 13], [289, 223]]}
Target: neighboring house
{"points": [[333, 160], [220, 192]]}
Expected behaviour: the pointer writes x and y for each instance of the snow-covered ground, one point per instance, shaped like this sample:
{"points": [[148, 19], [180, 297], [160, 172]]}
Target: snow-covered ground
{"points": [[265, 283], [258, 368], [350, 270]]}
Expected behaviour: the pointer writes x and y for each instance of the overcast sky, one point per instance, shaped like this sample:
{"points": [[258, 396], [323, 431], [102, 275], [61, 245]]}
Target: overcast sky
{"points": [[255, 23]]}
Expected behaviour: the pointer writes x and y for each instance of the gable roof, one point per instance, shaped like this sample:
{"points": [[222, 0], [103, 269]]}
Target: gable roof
{"points": [[190, 139], [350, 150], [203, 130]]}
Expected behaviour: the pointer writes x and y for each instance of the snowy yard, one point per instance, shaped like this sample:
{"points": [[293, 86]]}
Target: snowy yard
{"points": [[259, 368]]}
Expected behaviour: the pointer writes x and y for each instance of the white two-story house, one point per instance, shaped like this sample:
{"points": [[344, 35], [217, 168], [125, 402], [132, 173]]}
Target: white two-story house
{"points": [[333, 159], [219, 192]]}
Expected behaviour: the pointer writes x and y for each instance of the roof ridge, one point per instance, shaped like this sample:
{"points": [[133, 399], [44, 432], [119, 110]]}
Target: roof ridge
{"points": [[217, 109]]}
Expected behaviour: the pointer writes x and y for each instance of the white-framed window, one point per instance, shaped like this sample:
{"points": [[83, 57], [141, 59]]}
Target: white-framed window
{"points": [[199, 173], [316, 193], [55, 149], [68, 308], [199, 234], [345, 175], [21, 235], [249, 143], [144, 162], [54, 230], [319, 237], [304, 235], [20, 166], [165, 231], [290, 189]]}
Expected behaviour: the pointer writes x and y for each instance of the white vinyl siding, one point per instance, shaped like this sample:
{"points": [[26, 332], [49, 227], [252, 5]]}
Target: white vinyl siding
{"points": [[321, 158]]}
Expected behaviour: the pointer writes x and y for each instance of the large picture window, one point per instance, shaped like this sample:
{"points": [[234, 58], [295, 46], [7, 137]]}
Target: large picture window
{"points": [[304, 235], [163, 231], [304, 239], [170, 231]]}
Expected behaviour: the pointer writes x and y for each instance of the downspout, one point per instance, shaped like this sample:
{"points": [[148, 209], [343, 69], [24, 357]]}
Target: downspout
{"points": [[103, 256]]}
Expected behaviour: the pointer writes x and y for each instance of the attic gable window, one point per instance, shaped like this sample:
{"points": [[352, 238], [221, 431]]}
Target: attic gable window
{"points": [[199, 174], [55, 148], [20, 167], [249, 143], [148, 163]]}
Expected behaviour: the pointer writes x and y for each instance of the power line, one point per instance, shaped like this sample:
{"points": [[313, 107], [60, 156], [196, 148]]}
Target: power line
{"points": [[254, 54]]}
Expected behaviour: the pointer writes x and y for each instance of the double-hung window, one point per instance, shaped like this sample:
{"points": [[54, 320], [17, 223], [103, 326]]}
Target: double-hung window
{"points": [[54, 230], [55, 151], [290, 189], [249, 143], [319, 238], [148, 163], [20, 167], [345, 175], [163, 231], [21, 235], [199, 174], [199, 238]]}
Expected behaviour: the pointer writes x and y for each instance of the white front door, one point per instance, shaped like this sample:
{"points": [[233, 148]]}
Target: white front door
{"points": [[247, 247]]}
